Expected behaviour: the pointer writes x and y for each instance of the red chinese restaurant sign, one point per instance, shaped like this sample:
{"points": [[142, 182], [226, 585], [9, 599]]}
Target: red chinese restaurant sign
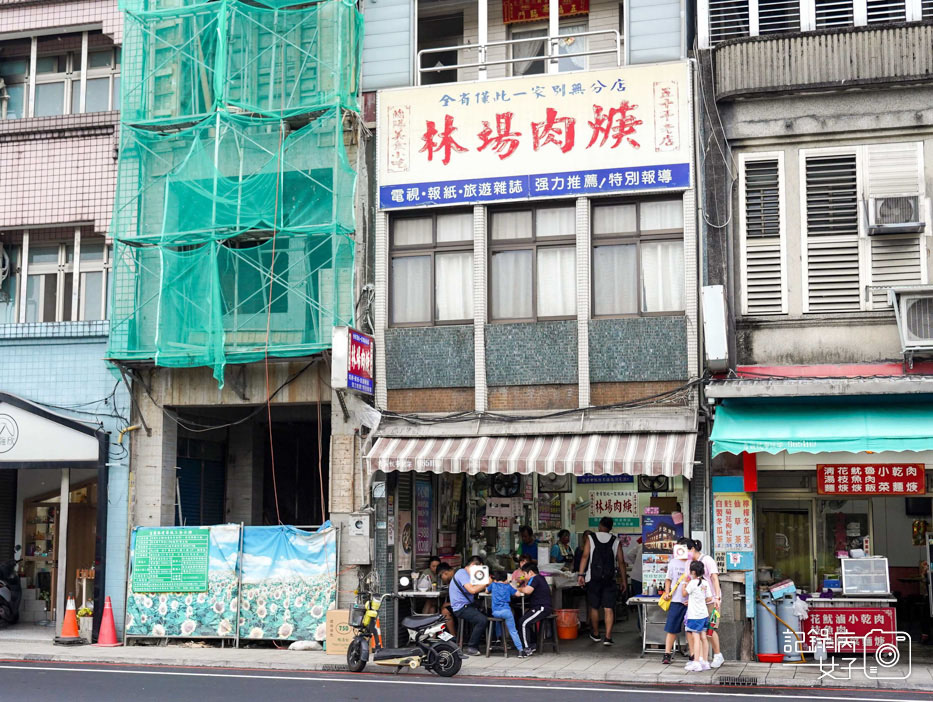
{"points": [[850, 629], [535, 10], [880, 479]]}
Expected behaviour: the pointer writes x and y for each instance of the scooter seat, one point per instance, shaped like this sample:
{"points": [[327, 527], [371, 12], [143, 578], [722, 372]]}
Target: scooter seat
{"points": [[420, 621]]}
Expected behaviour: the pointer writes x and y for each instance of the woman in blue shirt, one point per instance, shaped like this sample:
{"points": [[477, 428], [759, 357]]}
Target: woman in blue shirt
{"points": [[561, 551]]}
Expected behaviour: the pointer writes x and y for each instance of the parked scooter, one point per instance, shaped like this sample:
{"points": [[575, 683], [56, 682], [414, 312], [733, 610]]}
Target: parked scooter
{"points": [[432, 647], [11, 591]]}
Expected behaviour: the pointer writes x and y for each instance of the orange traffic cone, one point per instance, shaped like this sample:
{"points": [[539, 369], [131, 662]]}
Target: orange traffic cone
{"points": [[108, 631], [70, 635]]}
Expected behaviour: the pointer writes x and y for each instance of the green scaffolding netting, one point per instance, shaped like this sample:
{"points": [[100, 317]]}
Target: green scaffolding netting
{"points": [[181, 62], [232, 173], [210, 304], [234, 209]]}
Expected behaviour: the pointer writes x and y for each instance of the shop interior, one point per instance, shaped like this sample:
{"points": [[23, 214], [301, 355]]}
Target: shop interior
{"points": [[456, 516]]}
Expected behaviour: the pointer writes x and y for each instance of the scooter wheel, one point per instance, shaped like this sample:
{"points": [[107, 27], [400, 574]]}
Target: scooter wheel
{"points": [[355, 662], [447, 659]]}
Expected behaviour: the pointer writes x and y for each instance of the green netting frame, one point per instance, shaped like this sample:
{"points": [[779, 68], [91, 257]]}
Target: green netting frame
{"points": [[232, 173], [209, 304], [181, 62]]}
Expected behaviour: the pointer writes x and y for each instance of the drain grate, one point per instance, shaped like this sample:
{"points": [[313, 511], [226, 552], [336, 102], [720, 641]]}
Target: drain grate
{"points": [[737, 680], [339, 667]]}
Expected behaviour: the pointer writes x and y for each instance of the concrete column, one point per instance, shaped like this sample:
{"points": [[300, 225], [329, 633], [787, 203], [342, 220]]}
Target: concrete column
{"points": [[243, 501], [154, 462]]}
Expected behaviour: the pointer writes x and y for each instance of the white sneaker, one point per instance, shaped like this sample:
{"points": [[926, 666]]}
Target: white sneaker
{"points": [[692, 667], [704, 665], [718, 660]]}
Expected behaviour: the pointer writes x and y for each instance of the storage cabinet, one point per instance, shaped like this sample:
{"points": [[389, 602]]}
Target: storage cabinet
{"points": [[865, 576]]}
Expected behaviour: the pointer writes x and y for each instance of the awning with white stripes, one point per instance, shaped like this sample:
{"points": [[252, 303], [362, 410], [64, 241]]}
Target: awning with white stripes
{"points": [[581, 454]]}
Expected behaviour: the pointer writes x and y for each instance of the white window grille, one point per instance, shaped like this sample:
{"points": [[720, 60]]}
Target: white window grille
{"points": [[764, 270]]}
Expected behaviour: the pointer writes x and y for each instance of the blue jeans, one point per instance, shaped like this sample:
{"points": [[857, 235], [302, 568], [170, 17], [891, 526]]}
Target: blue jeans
{"points": [[509, 618]]}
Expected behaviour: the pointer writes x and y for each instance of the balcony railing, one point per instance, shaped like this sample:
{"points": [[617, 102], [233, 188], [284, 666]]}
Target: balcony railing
{"points": [[822, 60], [552, 57]]}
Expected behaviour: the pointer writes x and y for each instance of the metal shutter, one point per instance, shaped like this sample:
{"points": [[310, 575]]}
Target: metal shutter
{"points": [[763, 256], [7, 512], [927, 9], [728, 19], [778, 16], [832, 233], [880, 11]]}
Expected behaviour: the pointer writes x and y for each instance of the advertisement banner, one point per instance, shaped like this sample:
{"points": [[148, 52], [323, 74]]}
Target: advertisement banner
{"points": [[659, 533], [734, 529], [289, 582], [620, 505], [208, 613], [878, 479], [424, 517], [406, 540], [562, 135], [851, 629], [536, 10]]}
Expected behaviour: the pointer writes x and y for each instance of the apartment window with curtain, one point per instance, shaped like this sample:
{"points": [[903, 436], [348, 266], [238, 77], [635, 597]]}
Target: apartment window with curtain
{"points": [[59, 74], [638, 258], [530, 55], [532, 263], [431, 269], [47, 284]]}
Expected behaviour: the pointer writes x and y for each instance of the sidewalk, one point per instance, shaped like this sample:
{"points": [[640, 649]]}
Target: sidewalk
{"points": [[582, 661]]}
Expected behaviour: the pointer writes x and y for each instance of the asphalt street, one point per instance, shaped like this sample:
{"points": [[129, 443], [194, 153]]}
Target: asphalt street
{"points": [[51, 682]]}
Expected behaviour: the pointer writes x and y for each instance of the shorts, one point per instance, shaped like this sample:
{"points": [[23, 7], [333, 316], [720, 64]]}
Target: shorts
{"points": [[697, 626], [675, 618], [602, 595]]}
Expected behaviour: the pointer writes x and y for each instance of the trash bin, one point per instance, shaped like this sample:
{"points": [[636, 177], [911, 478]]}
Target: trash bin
{"points": [[568, 623]]}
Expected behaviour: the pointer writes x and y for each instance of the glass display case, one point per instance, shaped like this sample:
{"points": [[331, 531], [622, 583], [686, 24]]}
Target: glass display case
{"points": [[865, 576]]}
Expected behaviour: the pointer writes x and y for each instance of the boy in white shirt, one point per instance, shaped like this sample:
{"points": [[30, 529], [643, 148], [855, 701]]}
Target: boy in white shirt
{"points": [[699, 597]]}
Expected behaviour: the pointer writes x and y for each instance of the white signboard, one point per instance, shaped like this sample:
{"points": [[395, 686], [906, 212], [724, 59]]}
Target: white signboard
{"points": [[617, 130], [30, 438]]}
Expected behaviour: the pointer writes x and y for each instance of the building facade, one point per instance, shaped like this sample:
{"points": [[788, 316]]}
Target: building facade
{"points": [[818, 173], [535, 263], [65, 505]]}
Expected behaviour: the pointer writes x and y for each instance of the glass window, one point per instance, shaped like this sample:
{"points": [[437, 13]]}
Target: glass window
{"points": [[92, 296], [99, 59], [96, 95], [533, 269], [51, 64], [638, 258], [16, 104], [50, 99], [43, 254], [529, 55], [432, 268], [511, 284]]}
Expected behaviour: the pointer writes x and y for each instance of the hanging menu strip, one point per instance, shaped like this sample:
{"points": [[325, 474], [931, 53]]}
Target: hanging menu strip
{"points": [[171, 560]]}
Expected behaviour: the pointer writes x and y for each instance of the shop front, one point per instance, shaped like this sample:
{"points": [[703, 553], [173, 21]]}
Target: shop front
{"points": [[54, 508], [832, 496], [462, 496]]}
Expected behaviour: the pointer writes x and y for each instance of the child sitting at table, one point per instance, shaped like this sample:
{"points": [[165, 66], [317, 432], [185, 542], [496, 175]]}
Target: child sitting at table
{"points": [[519, 576], [502, 594]]}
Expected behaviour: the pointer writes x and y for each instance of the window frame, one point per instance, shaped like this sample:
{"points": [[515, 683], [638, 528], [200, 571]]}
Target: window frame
{"points": [[76, 72], [533, 244], [638, 237], [431, 250], [576, 20], [73, 309]]}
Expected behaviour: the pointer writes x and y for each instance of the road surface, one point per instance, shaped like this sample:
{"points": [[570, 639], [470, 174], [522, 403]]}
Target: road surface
{"points": [[53, 682]]}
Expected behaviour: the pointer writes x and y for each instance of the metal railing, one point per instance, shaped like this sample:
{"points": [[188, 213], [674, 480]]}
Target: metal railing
{"points": [[553, 55]]}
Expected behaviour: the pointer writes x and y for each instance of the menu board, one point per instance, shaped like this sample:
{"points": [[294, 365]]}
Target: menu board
{"points": [[852, 629], [879, 479], [620, 505], [171, 560]]}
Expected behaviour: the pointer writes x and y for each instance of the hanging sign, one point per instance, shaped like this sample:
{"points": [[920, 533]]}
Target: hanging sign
{"points": [[536, 10], [352, 361], [877, 479], [563, 135], [424, 516], [620, 505]]}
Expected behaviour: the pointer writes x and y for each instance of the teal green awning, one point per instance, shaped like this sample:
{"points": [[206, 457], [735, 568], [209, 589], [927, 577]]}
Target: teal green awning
{"points": [[818, 425]]}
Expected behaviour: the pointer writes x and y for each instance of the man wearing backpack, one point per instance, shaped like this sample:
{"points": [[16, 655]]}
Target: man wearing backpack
{"points": [[601, 561]]}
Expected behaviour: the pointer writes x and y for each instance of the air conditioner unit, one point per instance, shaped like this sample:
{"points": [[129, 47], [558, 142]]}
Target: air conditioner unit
{"points": [[895, 215], [913, 309]]}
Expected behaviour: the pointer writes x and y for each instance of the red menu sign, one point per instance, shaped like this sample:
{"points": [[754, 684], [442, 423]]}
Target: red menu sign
{"points": [[850, 629], [733, 521], [536, 10], [881, 479]]}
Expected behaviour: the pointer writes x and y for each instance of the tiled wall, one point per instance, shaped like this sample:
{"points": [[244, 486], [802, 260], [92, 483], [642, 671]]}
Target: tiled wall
{"points": [[20, 16], [68, 372], [429, 357], [638, 348], [531, 353]]}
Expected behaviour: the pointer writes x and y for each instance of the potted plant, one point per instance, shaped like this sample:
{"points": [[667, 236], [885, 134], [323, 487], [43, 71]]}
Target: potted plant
{"points": [[86, 623]]}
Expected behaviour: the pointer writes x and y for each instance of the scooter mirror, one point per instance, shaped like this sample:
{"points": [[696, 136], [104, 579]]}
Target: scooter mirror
{"points": [[404, 581]]}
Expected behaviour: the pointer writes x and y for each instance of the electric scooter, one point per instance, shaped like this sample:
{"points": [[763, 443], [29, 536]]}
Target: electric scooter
{"points": [[11, 591], [432, 647]]}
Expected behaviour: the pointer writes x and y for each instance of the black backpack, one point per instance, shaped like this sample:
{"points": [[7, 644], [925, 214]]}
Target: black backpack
{"points": [[602, 561]]}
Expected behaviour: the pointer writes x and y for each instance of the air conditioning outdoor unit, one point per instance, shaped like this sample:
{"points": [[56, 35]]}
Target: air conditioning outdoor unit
{"points": [[913, 309], [895, 215]]}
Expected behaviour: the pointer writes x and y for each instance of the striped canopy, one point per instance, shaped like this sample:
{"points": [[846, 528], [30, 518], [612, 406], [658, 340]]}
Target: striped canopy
{"points": [[580, 454]]}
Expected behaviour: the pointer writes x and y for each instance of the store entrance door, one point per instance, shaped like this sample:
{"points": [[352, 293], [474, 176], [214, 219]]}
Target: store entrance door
{"points": [[785, 540]]}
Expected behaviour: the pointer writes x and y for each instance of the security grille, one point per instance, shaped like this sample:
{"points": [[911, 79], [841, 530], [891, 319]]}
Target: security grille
{"points": [[776, 16], [880, 11], [834, 13], [927, 9], [728, 19]]}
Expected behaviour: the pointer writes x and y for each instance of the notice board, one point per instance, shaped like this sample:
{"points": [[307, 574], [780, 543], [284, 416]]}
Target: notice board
{"points": [[171, 560]]}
